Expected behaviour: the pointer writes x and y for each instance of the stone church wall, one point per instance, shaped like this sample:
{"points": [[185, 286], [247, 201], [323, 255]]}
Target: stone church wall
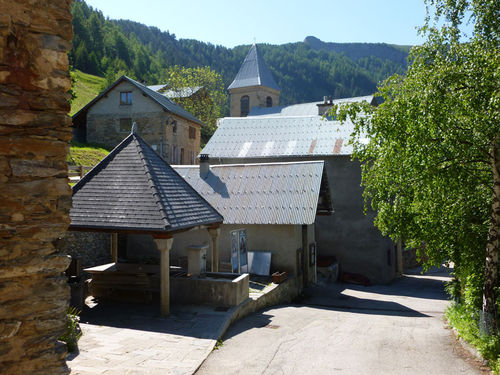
{"points": [[35, 196]]}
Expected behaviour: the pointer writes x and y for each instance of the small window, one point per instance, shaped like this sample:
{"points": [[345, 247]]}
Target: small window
{"points": [[269, 101], [192, 132], [125, 125], [191, 157], [182, 156], [126, 98], [173, 159], [245, 105], [174, 127]]}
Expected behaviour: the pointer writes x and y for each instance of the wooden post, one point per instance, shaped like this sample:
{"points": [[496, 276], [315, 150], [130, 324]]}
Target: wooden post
{"points": [[214, 234], [114, 247], [80, 171], [164, 245]]}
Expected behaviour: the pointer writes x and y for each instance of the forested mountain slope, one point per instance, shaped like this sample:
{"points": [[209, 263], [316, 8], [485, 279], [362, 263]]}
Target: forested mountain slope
{"points": [[305, 71]]}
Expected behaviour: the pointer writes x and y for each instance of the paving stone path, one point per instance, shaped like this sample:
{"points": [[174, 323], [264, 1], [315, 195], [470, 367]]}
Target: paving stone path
{"points": [[134, 339]]}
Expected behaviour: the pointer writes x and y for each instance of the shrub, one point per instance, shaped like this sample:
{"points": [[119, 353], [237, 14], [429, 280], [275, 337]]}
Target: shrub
{"points": [[466, 323], [73, 332]]}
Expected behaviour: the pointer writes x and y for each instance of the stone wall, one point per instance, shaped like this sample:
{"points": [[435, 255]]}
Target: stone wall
{"points": [[257, 96], [92, 248], [35, 197]]}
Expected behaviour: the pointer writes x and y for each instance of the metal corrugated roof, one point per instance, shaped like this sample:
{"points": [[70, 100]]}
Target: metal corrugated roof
{"points": [[254, 72], [264, 137], [270, 193], [134, 189], [184, 92], [303, 109]]}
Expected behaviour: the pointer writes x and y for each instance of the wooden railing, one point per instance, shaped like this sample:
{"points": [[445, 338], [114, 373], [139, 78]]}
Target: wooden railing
{"points": [[76, 172]]}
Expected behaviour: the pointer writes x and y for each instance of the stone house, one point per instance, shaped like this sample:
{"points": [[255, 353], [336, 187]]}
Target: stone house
{"points": [[301, 133], [170, 130]]}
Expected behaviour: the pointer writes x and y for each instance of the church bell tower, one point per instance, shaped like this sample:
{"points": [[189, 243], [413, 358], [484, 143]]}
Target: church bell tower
{"points": [[253, 86]]}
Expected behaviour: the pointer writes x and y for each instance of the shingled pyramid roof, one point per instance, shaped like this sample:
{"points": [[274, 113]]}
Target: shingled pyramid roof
{"points": [[254, 72], [135, 190]]}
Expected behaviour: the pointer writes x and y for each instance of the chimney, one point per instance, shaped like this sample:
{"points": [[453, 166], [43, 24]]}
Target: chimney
{"points": [[324, 107], [204, 165]]}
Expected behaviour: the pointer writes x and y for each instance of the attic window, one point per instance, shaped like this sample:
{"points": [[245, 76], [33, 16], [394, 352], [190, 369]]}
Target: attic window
{"points": [[269, 101], [245, 105], [126, 98]]}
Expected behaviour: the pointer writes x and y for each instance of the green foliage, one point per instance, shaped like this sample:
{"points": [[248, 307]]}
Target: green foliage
{"points": [[431, 163], [86, 154], [72, 333], [466, 323], [209, 103], [85, 87], [305, 71]]}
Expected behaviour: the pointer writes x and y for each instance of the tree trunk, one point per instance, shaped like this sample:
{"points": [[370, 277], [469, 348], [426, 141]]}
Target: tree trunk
{"points": [[488, 322]]}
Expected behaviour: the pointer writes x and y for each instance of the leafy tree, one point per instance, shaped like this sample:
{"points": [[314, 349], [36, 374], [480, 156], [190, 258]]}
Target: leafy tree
{"points": [[431, 165], [209, 103]]}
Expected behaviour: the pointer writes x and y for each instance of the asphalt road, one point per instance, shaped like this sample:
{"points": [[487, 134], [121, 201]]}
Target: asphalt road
{"points": [[348, 329]]}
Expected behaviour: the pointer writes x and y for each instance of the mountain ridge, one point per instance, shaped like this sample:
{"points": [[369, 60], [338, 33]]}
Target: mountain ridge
{"points": [[306, 71]]}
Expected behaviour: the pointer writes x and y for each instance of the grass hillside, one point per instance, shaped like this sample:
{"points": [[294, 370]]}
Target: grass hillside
{"points": [[86, 154], [86, 87]]}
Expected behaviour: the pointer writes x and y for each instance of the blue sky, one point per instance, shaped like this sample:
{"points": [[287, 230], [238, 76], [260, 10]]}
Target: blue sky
{"points": [[234, 22]]}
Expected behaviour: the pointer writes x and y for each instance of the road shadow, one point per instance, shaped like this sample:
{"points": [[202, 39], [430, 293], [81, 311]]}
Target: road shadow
{"points": [[414, 286], [259, 320], [361, 306]]}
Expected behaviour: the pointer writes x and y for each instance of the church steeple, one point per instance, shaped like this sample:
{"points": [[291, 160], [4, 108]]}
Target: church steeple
{"points": [[253, 86]]}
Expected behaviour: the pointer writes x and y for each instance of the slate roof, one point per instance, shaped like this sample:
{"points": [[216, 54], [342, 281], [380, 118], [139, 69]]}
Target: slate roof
{"points": [[270, 193], [304, 109], [134, 189], [279, 136], [254, 72], [162, 100]]}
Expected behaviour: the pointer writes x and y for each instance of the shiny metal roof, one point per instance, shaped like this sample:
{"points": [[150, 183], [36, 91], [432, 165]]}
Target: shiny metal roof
{"points": [[254, 72], [270, 193], [303, 109], [279, 136], [184, 92]]}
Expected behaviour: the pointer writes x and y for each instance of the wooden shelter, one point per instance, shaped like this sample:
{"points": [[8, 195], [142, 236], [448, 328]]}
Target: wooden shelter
{"points": [[133, 190]]}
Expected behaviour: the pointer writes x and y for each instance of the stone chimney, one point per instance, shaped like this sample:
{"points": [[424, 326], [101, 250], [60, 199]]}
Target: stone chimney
{"points": [[204, 165], [324, 107]]}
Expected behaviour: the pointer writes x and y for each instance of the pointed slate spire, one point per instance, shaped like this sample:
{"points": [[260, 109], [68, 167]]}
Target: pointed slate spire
{"points": [[254, 72]]}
